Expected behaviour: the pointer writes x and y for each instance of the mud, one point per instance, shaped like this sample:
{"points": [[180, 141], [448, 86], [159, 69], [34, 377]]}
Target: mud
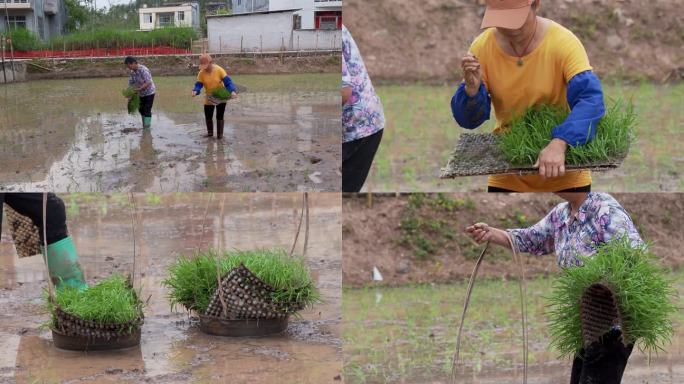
{"points": [[78, 137], [373, 236], [173, 349]]}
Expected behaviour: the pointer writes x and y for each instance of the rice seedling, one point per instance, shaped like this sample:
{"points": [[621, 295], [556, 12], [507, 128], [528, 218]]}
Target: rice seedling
{"points": [[193, 280], [530, 133], [133, 100], [221, 93], [112, 300], [644, 296]]}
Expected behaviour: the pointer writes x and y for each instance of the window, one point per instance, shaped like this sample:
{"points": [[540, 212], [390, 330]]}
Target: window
{"points": [[297, 22], [329, 20], [239, 2], [181, 16], [16, 21], [166, 20], [147, 18]]}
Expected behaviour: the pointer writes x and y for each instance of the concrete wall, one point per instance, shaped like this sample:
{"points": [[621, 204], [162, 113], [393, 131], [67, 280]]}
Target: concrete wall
{"points": [[252, 32], [316, 40], [18, 74]]}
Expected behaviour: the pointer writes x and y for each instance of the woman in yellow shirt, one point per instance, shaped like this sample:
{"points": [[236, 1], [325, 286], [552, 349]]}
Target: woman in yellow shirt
{"points": [[212, 77], [520, 61]]}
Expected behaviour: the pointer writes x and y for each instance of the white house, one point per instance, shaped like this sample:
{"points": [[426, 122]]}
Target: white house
{"points": [[170, 15], [310, 14], [267, 31]]}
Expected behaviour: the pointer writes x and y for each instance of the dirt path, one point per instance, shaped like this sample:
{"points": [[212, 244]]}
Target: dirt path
{"points": [[173, 350], [427, 244], [428, 45]]}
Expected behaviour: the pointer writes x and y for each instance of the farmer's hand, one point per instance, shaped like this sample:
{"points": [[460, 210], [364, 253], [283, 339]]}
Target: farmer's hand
{"points": [[472, 74], [194, 93], [233, 95], [480, 232], [551, 161]]}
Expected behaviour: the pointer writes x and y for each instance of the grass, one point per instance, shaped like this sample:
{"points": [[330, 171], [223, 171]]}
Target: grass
{"points": [[133, 100], [407, 333], [420, 134], [645, 297], [25, 40], [111, 300], [532, 132], [192, 280]]}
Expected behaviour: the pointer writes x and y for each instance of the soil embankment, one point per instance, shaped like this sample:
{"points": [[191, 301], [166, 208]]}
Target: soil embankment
{"points": [[405, 41], [183, 65], [419, 238]]}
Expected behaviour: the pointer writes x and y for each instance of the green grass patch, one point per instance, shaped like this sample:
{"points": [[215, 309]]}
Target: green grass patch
{"points": [[193, 280], [112, 300], [531, 133], [133, 100], [645, 297]]}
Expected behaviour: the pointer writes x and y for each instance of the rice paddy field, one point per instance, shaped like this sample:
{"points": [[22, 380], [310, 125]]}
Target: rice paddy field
{"points": [[407, 334], [281, 134], [421, 133]]}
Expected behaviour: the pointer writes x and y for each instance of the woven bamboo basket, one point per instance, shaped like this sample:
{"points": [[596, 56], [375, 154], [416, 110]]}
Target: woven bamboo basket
{"points": [[25, 234]]}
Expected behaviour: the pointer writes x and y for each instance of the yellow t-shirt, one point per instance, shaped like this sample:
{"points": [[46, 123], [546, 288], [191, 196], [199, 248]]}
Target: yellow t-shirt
{"points": [[542, 79], [211, 80]]}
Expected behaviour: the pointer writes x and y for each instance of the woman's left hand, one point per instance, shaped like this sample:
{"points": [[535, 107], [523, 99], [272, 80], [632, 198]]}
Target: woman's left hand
{"points": [[551, 161]]}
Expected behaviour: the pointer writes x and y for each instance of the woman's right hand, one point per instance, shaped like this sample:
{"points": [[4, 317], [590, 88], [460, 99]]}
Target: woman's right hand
{"points": [[472, 74], [194, 93], [480, 232]]}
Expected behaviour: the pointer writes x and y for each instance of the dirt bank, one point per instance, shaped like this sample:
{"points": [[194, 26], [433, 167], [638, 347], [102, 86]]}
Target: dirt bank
{"points": [[183, 65], [403, 41], [419, 238]]}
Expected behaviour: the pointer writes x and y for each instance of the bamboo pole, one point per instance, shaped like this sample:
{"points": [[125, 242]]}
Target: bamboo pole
{"points": [[2, 47]]}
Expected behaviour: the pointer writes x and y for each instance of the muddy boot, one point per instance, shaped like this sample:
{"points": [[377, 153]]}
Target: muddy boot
{"points": [[605, 360], [63, 266], [219, 129], [147, 122], [210, 128]]}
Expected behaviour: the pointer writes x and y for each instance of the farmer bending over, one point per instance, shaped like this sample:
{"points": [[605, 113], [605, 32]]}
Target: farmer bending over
{"points": [[572, 229], [211, 76], [140, 79], [62, 259], [525, 61]]}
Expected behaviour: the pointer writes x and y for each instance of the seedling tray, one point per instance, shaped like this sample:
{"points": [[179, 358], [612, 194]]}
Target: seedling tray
{"points": [[84, 343], [242, 327], [478, 154]]}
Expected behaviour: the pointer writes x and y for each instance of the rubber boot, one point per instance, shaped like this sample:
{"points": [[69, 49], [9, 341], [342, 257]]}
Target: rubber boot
{"points": [[147, 122], [210, 128], [62, 261], [605, 360], [219, 129]]}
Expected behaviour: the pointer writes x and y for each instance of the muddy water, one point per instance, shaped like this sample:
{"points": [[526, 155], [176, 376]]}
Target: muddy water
{"points": [[173, 350], [76, 135]]}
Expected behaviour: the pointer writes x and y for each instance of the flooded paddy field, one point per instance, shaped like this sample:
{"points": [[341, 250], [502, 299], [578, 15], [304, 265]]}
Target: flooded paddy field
{"points": [[420, 135], [173, 350], [408, 334], [281, 134]]}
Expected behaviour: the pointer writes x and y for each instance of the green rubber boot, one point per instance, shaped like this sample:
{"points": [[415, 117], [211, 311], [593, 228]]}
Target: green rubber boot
{"points": [[63, 264], [147, 122]]}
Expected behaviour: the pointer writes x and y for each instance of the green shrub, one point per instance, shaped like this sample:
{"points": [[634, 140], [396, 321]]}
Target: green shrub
{"points": [[644, 297], [193, 280], [118, 38], [529, 134], [24, 40]]}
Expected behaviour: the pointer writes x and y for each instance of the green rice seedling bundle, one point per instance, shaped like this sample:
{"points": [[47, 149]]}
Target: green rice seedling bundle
{"points": [[133, 100], [193, 281], [643, 294], [529, 134], [221, 93], [107, 308]]}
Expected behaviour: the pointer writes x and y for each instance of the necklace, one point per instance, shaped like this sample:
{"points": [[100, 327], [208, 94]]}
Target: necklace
{"points": [[520, 57]]}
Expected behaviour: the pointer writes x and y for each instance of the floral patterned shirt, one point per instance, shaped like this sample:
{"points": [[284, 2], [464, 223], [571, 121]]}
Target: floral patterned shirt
{"points": [[139, 77], [362, 116], [599, 219]]}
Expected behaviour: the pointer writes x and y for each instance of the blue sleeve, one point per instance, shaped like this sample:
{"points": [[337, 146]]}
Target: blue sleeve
{"points": [[198, 87], [228, 82], [585, 98], [471, 112]]}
